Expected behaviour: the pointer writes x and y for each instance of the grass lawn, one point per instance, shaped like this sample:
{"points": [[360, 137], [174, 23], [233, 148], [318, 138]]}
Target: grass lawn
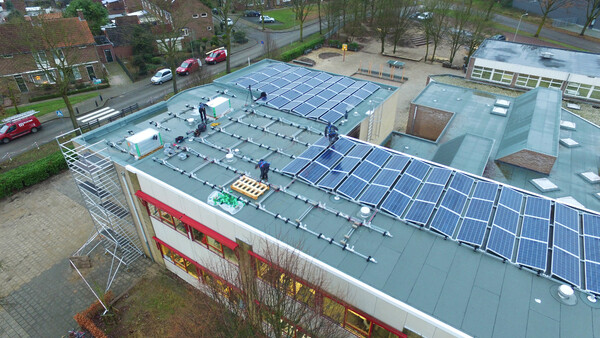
{"points": [[49, 106], [504, 28], [28, 156], [286, 18]]}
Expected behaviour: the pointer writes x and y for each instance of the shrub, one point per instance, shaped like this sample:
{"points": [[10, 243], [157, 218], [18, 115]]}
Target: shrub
{"points": [[353, 46], [335, 44], [53, 96], [297, 51], [240, 37], [156, 60]]}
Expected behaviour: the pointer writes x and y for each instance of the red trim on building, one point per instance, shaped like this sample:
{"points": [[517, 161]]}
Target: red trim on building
{"points": [[176, 251], [158, 204], [209, 232]]}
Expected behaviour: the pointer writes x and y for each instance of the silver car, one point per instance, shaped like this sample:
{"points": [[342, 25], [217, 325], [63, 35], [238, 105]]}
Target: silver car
{"points": [[161, 76]]}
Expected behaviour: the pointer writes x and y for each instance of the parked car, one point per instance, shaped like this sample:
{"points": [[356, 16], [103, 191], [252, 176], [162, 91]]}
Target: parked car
{"points": [[19, 125], [425, 16], [266, 19], [188, 66], [161, 76], [229, 22], [499, 37], [251, 13], [215, 56]]}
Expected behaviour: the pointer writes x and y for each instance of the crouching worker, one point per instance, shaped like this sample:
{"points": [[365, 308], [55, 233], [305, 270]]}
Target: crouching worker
{"points": [[264, 169], [331, 133]]}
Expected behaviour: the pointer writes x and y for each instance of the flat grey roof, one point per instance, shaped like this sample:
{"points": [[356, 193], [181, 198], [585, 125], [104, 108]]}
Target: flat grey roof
{"points": [[472, 115], [469, 289], [570, 61]]}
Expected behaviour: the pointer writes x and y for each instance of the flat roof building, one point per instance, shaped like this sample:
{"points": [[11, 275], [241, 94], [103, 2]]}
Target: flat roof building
{"points": [[523, 66], [416, 246]]}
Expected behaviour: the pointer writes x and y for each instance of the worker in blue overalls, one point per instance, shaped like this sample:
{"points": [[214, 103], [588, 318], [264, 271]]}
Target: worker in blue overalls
{"points": [[264, 169], [331, 133]]}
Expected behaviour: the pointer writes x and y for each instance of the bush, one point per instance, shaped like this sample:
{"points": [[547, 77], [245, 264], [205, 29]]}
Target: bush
{"points": [[240, 37], [31, 173], [297, 51], [156, 60], [71, 92], [335, 44], [353, 46]]}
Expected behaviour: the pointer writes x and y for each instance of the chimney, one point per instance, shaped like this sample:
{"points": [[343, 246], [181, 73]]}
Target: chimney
{"points": [[80, 15]]}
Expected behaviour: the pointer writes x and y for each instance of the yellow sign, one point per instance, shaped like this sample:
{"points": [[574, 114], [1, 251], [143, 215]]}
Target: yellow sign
{"points": [[344, 47]]}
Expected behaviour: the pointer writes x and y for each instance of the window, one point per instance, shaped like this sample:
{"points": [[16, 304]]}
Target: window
{"points": [[178, 260], [527, 81], [166, 217], [7, 56], [380, 332], [40, 78], [214, 245], [153, 210], [59, 57], [595, 93], [358, 324], [90, 70], [41, 60], [185, 31], [578, 89], [333, 310], [76, 73], [21, 83], [180, 226], [502, 76], [547, 82]]}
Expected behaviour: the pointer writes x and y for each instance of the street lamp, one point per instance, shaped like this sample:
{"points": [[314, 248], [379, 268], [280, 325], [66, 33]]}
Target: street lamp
{"points": [[519, 25]]}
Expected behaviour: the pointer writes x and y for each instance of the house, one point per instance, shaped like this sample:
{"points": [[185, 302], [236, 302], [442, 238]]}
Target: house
{"points": [[524, 66], [378, 223], [66, 40]]}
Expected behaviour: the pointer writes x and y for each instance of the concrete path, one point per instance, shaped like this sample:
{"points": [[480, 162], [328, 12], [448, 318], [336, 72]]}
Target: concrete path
{"points": [[39, 292]]}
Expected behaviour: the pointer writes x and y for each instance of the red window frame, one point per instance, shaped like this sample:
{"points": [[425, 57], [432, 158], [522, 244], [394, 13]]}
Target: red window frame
{"points": [[319, 294]]}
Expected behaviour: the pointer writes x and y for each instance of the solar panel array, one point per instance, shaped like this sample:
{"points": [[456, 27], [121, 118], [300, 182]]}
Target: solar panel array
{"points": [[530, 231], [308, 93]]}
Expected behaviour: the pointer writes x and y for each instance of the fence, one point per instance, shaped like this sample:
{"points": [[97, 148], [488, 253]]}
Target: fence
{"points": [[563, 22], [98, 122]]}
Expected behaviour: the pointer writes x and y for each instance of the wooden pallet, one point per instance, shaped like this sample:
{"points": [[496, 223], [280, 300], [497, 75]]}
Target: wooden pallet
{"points": [[249, 187]]}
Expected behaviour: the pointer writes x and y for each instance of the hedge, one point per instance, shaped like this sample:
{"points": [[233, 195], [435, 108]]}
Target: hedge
{"points": [[71, 92], [299, 50], [31, 173]]}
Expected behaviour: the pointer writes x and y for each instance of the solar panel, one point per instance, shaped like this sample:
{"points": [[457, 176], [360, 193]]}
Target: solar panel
{"points": [[295, 166], [565, 266], [480, 209], [342, 145], [336, 87], [539, 207], [303, 109], [535, 228], [532, 253], [430, 193], [501, 242], [472, 231], [313, 172], [323, 142], [331, 116], [373, 194], [445, 221], [420, 212], [386, 177], [352, 187], [566, 239], [407, 185], [592, 277], [455, 201], [316, 101], [485, 190], [352, 100], [322, 76], [280, 82], [327, 94], [362, 94], [591, 225], [332, 179], [511, 199], [506, 219], [378, 156], [347, 164], [360, 150], [366, 171], [397, 162], [291, 94], [317, 113], [395, 203], [370, 87], [329, 158], [278, 102], [566, 216], [439, 176], [417, 169], [591, 249], [303, 88], [346, 82], [313, 82], [311, 152]]}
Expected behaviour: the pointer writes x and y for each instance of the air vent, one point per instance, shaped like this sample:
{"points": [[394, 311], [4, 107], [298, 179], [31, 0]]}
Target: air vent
{"points": [[502, 103], [499, 111], [544, 184], [569, 142], [546, 55], [144, 142], [568, 125]]}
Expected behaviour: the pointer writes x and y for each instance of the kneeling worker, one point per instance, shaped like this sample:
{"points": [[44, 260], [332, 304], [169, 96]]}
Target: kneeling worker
{"points": [[264, 169]]}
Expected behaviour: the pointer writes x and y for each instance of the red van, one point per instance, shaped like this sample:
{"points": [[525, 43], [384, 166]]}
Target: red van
{"points": [[19, 125], [188, 66], [216, 56]]}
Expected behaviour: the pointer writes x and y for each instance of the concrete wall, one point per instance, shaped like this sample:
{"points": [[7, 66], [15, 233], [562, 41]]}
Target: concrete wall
{"points": [[363, 297], [383, 120], [425, 122]]}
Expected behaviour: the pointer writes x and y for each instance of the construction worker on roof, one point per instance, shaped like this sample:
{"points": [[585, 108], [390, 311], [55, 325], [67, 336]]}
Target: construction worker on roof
{"points": [[264, 169], [331, 133]]}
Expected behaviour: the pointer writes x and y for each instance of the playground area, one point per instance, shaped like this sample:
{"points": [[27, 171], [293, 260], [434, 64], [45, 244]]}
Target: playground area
{"points": [[405, 69]]}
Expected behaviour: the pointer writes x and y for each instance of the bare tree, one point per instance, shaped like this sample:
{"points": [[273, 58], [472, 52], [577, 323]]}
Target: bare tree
{"points": [[227, 9], [269, 298], [302, 8], [8, 89], [436, 26], [386, 17], [171, 19], [592, 11], [547, 7], [458, 33], [480, 28], [333, 12], [270, 47], [403, 23]]}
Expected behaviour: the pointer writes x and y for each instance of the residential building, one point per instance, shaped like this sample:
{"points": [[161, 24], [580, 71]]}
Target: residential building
{"points": [[523, 66], [378, 223], [65, 40]]}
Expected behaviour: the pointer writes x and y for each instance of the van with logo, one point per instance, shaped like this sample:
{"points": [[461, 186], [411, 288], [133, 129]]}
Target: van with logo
{"points": [[19, 125]]}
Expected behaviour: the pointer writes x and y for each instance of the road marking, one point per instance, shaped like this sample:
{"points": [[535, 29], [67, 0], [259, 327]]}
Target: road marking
{"points": [[98, 114]]}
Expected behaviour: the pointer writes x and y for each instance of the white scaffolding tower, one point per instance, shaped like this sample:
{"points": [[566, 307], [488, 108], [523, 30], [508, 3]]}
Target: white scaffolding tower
{"points": [[98, 183]]}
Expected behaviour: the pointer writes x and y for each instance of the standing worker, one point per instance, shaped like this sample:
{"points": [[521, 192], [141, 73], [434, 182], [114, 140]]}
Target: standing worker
{"points": [[264, 169], [202, 111], [331, 133]]}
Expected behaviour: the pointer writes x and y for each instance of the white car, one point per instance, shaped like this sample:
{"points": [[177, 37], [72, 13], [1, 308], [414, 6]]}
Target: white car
{"points": [[229, 22], [425, 16], [266, 18], [161, 76]]}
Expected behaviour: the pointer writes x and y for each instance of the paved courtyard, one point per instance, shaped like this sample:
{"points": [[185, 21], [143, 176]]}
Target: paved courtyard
{"points": [[39, 291]]}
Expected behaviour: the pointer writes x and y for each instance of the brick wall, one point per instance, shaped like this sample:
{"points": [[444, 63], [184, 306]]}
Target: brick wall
{"points": [[426, 122], [530, 160]]}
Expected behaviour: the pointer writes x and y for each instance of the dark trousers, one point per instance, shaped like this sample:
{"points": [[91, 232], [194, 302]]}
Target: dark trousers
{"points": [[264, 171], [203, 115]]}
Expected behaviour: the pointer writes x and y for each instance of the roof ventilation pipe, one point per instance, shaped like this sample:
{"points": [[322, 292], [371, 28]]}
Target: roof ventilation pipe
{"points": [[364, 212], [565, 291], [564, 294]]}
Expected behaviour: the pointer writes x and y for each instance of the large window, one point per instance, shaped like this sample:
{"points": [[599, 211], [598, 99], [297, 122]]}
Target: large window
{"points": [[491, 74], [41, 60], [175, 258], [21, 83], [580, 90], [550, 83], [41, 78], [527, 81]]}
